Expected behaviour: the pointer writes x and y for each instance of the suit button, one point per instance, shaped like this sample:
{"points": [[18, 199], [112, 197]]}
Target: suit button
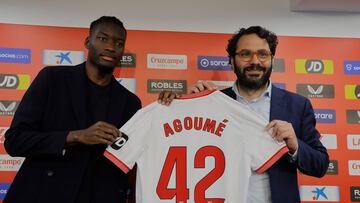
{"points": [[49, 173]]}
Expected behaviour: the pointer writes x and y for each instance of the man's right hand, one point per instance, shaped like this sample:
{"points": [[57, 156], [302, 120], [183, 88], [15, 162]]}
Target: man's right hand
{"points": [[202, 85], [99, 133]]}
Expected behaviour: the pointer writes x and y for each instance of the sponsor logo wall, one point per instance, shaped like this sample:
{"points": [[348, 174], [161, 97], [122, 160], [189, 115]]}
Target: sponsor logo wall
{"points": [[325, 70]]}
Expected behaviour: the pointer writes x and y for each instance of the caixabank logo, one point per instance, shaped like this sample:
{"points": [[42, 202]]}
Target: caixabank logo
{"points": [[128, 83], [352, 91], [354, 167], [319, 193], [333, 168], [8, 108], [325, 115], [213, 63], [8, 163], [128, 60], [352, 67], [316, 90], [62, 57], [2, 134], [14, 81], [314, 66], [353, 116], [355, 193], [156, 86], [15, 55], [4, 187], [353, 141]]}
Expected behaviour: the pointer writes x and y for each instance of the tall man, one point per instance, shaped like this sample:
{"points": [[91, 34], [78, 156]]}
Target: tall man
{"points": [[251, 53], [65, 121]]}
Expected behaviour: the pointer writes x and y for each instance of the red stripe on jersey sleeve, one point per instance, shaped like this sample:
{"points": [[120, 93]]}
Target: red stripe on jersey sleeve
{"points": [[117, 162], [272, 160]]}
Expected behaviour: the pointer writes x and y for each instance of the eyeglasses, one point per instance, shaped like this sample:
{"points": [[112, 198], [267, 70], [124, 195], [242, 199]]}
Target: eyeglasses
{"points": [[262, 55]]}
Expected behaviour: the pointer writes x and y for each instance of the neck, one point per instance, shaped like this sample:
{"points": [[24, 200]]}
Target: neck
{"points": [[251, 94], [97, 76]]}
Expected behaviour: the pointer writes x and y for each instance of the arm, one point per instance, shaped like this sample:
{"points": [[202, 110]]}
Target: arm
{"points": [[312, 157]]}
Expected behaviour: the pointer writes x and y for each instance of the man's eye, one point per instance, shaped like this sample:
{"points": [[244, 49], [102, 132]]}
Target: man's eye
{"points": [[102, 38], [245, 54]]}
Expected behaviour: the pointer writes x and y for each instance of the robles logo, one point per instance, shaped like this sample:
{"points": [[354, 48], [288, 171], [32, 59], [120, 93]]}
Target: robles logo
{"points": [[128, 60], [314, 66], [14, 81], [333, 168], [355, 193], [156, 86]]}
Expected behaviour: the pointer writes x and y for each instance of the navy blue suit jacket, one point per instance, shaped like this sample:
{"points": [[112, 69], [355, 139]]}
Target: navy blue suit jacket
{"points": [[55, 104], [312, 157]]}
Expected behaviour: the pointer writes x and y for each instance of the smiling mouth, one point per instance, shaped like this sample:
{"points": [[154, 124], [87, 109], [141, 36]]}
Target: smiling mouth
{"points": [[108, 58]]}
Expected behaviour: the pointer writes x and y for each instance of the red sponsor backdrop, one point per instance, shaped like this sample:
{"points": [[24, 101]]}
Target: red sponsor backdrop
{"points": [[141, 43]]}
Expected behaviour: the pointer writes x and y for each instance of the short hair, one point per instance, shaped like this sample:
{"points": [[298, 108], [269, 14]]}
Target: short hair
{"points": [[261, 32], [106, 19]]}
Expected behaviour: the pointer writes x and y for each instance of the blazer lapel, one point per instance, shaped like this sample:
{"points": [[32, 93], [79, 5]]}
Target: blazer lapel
{"points": [[76, 82], [278, 105]]}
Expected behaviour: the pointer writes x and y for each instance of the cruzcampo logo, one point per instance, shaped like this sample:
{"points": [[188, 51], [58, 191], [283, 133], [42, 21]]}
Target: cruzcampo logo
{"points": [[311, 66], [352, 91]]}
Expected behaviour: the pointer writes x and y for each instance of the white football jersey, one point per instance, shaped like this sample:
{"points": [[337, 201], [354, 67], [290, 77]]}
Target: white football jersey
{"points": [[199, 150]]}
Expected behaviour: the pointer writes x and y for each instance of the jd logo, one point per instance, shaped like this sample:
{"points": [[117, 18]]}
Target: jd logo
{"points": [[317, 91], [121, 141], [314, 66], [357, 91], [8, 81]]}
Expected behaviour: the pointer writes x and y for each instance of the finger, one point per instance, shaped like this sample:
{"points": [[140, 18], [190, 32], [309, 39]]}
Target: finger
{"points": [[161, 96], [209, 85], [109, 129], [170, 99], [271, 124]]}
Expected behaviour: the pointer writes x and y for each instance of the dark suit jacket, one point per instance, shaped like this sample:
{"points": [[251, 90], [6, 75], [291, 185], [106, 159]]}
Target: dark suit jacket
{"points": [[312, 157], [55, 104]]}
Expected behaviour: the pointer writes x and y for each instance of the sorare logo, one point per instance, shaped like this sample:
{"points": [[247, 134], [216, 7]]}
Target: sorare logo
{"points": [[128, 83], [316, 90], [128, 60], [4, 187], [352, 91], [319, 193], [353, 141], [352, 67], [311, 66], [355, 193], [213, 63], [353, 116], [15, 55], [8, 108], [14, 81], [156, 86], [62, 57], [325, 115]]}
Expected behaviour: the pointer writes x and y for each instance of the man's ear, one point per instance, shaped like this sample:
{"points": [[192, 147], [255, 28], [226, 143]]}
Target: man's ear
{"points": [[87, 42]]}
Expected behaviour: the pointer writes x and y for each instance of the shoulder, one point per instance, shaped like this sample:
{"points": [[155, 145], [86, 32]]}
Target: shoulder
{"points": [[287, 95]]}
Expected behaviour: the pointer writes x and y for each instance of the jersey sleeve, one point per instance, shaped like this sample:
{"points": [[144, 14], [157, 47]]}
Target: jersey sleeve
{"points": [[265, 151], [127, 149]]}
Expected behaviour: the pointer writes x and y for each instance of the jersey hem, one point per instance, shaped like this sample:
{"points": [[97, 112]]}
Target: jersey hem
{"points": [[272, 160], [117, 162]]}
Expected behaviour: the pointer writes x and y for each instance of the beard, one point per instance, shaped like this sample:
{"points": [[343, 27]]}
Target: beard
{"points": [[250, 83]]}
